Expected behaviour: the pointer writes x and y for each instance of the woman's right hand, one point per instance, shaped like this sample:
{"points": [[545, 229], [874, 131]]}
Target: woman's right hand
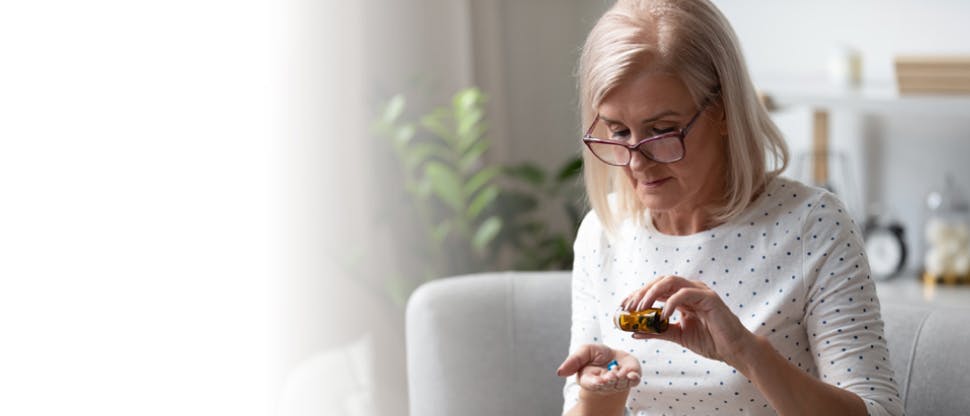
{"points": [[590, 362]]}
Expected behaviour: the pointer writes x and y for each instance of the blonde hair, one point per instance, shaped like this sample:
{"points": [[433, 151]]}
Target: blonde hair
{"points": [[692, 39]]}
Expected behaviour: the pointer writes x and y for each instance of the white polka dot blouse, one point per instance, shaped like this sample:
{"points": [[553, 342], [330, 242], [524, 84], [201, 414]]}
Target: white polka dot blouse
{"points": [[791, 267]]}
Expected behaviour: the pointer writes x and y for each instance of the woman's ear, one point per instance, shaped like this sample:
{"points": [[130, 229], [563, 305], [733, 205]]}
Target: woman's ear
{"points": [[722, 126]]}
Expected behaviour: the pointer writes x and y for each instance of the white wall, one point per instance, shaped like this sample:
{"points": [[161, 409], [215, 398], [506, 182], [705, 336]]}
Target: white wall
{"points": [[539, 43], [785, 40], [901, 155]]}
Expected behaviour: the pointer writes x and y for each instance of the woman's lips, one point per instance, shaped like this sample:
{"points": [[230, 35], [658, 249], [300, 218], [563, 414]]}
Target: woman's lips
{"points": [[655, 184]]}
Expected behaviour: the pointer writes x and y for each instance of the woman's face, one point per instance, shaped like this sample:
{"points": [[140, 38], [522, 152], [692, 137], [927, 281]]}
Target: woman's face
{"points": [[655, 103]]}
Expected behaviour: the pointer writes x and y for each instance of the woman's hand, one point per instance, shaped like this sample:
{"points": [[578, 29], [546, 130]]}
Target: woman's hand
{"points": [[707, 326], [590, 362]]}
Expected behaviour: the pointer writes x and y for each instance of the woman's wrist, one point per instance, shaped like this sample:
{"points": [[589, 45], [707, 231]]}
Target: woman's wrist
{"points": [[748, 352], [602, 403]]}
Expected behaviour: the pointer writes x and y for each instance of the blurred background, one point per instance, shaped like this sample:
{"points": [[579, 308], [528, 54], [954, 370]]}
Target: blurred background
{"points": [[215, 207]]}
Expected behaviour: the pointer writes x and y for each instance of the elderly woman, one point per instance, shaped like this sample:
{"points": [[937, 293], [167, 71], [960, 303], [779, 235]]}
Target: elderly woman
{"points": [[764, 279]]}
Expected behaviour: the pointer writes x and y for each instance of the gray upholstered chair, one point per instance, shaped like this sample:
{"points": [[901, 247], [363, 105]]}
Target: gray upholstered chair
{"points": [[489, 344]]}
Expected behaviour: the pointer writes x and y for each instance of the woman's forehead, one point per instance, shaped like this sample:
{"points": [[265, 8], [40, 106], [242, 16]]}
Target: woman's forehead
{"points": [[646, 94]]}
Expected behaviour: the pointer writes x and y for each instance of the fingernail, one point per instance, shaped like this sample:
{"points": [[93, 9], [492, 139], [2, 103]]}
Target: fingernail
{"points": [[633, 376]]}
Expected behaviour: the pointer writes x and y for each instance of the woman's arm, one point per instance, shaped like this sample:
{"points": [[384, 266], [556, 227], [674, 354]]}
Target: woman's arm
{"points": [[709, 328], [789, 389], [585, 327], [841, 316], [591, 404]]}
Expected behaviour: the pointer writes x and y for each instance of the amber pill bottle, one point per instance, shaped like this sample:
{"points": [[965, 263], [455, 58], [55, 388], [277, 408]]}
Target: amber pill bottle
{"points": [[646, 321]]}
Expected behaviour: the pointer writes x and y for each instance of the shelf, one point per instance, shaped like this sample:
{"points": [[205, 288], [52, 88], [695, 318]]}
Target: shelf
{"points": [[908, 289], [884, 99]]}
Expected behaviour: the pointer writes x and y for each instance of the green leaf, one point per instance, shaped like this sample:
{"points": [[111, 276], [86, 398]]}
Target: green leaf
{"points": [[474, 137], [423, 189], [484, 198], [467, 98], [481, 178], [404, 134], [434, 123], [470, 128], [534, 228], [446, 184], [486, 233], [528, 172], [417, 154], [519, 203], [570, 169], [393, 109], [472, 154], [549, 242]]}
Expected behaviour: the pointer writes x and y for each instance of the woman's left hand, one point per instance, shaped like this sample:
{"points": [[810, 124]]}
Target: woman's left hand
{"points": [[707, 326]]}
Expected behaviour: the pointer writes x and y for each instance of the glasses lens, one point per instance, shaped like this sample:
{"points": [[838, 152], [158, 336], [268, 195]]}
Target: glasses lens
{"points": [[610, 153], [664, 150]]}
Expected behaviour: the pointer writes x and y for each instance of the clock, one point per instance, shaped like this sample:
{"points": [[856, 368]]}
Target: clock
{"points": [[886, 249]]}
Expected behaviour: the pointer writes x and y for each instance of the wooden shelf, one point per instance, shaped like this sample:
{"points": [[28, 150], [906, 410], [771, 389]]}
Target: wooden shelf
{"points": [[878, 99]]}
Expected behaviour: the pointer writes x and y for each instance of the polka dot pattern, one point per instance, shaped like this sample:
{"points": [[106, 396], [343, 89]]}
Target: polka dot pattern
{"points": [[791, 267]]}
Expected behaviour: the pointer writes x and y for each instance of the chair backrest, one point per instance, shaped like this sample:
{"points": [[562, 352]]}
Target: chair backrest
{"points": [[929, 349], [490, 344]]}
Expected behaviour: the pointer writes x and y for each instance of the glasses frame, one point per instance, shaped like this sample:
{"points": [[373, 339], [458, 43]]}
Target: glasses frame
{"points": [[680, 134]]}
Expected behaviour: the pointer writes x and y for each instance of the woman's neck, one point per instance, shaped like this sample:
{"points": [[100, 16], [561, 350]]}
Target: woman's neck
{"points": [[698, 218], [683, 222]]}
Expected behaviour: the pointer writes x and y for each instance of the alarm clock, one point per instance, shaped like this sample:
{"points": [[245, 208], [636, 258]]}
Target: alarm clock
{"points": [[885, 247]]}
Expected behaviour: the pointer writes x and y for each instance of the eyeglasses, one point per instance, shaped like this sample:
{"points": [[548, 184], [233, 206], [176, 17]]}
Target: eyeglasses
{"points": [[662, 148]]}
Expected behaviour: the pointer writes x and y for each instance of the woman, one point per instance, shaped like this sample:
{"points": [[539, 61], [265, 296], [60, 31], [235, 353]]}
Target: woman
{"points": [[765, 279]]}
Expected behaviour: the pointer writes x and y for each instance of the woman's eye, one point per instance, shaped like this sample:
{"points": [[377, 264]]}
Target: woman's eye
{"points": [[657, 131], [621, 134]]}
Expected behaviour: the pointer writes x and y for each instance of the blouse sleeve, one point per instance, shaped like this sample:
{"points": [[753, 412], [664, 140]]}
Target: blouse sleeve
{"points": [[585, 328], [842, 317]]}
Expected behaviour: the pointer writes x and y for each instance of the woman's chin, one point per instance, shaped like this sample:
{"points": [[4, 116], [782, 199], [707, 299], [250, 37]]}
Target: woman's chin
{"points": [[655, 200]]}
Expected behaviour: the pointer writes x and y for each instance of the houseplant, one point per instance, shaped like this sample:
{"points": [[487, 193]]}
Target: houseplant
{"points": [[453, 213]]}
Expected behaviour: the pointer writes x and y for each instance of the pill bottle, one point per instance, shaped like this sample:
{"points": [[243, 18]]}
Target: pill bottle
{"points": [[646, 321]]}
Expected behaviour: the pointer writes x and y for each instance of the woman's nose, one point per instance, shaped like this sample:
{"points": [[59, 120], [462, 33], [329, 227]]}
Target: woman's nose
{"points": [[638, 161]]}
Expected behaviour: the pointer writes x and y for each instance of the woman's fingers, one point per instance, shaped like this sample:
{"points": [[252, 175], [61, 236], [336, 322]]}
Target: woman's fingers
{"points": [[661, 290], [628, 374], [684, 298], [632, 300], [673, 333], [569, 366], [658, 289], [588, 354], [576, 361], [598, 377], [621, 384], [590, 378], [608, 381]]}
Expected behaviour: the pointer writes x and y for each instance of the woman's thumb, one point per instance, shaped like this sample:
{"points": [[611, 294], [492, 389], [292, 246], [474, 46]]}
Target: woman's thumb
{"points": [[569, 367]]}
